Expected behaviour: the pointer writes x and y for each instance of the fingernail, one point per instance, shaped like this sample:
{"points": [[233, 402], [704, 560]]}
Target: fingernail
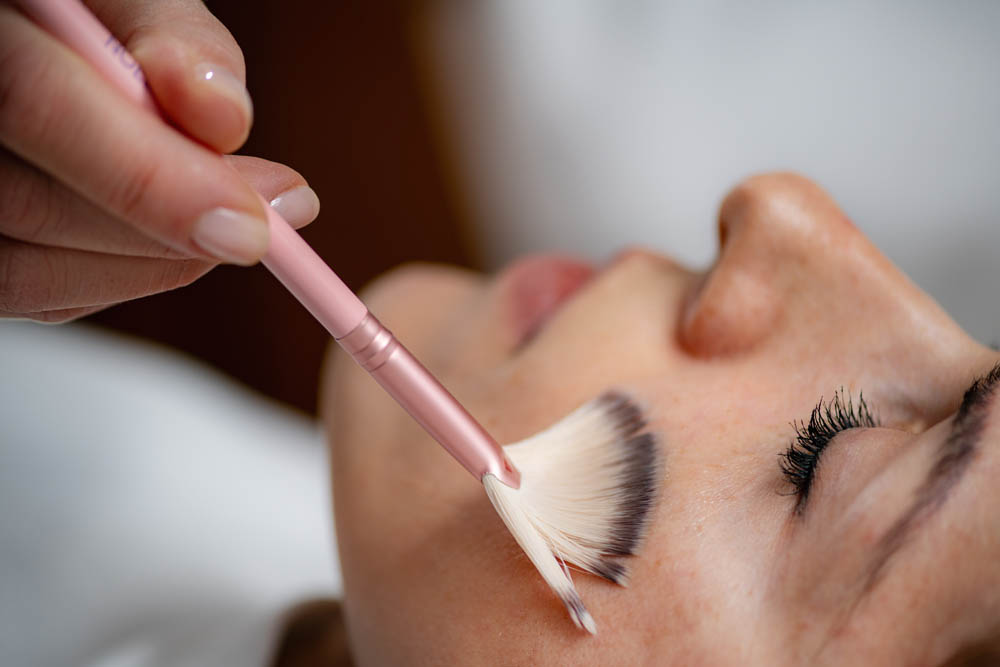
{"points": [[231, 236], [225, 83], [299, 206]]}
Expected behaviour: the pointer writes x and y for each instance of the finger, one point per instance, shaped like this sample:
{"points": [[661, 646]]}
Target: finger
{"points": [[282, 186], [38, 278], [192, 65], [61, 116], [35, 208]]}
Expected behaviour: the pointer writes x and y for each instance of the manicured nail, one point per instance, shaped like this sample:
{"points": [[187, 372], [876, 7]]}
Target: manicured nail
{"points": [[225, 83], [231, 236], [299, 206]]}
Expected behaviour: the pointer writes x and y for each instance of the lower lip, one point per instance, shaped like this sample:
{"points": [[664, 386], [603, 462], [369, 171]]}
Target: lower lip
{"points": [[533, 289]]}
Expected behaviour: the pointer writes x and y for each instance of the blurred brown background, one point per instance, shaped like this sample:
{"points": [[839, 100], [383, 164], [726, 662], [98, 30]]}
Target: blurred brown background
{"points": [[339, 95]]}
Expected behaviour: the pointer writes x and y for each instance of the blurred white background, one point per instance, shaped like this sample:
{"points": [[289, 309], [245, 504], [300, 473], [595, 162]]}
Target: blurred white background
{"points": [[585, 124]]}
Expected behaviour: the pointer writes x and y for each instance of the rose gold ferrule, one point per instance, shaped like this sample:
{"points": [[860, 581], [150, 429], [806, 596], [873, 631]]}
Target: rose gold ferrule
{"points": [[370, 343], [378, 352]]}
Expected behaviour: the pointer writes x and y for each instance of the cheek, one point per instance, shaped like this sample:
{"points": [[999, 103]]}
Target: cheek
{"points": [[430, 569]]}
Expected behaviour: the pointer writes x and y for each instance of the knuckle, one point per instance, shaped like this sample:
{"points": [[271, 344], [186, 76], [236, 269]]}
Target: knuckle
{"points": [[128, 195]]}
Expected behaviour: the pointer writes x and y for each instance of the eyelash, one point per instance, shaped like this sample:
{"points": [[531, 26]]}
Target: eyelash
{"points": [[828, 418]]}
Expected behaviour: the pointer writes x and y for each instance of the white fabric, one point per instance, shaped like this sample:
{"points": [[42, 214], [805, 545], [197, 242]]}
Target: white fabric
{"points": [[152, 512]]}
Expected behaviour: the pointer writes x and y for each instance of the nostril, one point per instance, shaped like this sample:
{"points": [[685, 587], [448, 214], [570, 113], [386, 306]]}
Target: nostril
{"points": [[723, 230], [728, 312]]}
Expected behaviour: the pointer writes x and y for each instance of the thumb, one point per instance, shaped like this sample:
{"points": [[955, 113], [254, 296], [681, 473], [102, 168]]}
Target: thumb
{"points": [[192, 64]]}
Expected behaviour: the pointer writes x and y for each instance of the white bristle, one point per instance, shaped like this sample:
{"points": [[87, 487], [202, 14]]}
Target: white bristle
{"points": [[588, 484]]}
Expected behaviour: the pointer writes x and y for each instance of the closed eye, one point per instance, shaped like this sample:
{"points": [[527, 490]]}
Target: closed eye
{"points": [[800, 461]]}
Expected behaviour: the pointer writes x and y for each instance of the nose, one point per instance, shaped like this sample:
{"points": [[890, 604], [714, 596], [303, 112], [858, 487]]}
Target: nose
{"points": [[776, 234]]}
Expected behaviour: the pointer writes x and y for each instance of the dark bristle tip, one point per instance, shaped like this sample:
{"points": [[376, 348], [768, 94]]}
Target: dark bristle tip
{"points": [[626, 414], [640, 450], [638, 488], [575, 605], [614, 572]]}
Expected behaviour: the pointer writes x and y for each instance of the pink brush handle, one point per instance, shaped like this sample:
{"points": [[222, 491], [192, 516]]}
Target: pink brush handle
{"points": [[304, 273], [76, 27], [376, 350]]}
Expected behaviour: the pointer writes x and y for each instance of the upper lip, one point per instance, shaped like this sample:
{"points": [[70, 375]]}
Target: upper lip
{"points": [[508, 281], [534, 288]]}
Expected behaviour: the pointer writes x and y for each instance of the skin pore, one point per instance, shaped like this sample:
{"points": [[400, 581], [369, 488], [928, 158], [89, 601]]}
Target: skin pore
{"points": [[737, 569]]}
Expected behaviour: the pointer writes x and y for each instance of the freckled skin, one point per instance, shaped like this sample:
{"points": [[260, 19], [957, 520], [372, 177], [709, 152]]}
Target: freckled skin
{"points": [[798, 305]]}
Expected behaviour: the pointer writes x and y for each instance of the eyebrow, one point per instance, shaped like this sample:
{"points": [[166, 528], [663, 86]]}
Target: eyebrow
{"points": [[957, 450]]}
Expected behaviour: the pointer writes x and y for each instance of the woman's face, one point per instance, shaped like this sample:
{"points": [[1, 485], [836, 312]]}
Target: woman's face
{"points": [[891, 557]]}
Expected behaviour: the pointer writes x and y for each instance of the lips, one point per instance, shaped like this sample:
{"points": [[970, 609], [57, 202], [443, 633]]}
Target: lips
{"points": [[533, 289]]}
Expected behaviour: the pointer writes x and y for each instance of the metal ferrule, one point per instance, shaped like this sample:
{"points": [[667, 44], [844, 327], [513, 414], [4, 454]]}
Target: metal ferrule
{"points": [[378, 352], [370, 343]]}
